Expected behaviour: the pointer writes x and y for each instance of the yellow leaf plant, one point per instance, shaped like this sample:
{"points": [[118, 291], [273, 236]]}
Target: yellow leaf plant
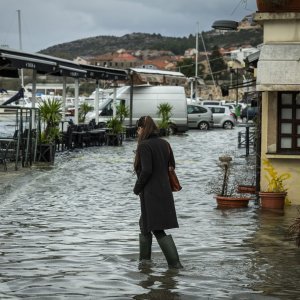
{"points": [[275, 181]]}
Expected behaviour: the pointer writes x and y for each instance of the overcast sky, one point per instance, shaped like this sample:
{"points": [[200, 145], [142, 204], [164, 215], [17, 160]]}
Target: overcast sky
{"points": [[45, 23]]}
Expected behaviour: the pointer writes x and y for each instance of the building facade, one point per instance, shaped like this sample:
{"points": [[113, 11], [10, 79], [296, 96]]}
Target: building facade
{"points": [[278, 78]]}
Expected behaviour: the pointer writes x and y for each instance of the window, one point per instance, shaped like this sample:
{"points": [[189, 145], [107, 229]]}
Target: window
{"points": [[217, 110], [193, 109], [289, 122], [210, 103], [202, 110], [190, 109]]}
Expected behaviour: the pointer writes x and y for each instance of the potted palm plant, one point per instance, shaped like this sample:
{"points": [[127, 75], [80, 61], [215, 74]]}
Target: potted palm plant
{"points": [[226, 192], [50, 114], [84, 109], [115, 124], [164, 111], [274, 195]]}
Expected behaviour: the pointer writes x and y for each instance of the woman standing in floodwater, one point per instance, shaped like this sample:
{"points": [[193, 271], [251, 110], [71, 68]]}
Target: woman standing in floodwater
{"points": [[158, 213]]}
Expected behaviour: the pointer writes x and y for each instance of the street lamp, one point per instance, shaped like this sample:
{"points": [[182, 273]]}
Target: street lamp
{"points": [[228, 25], [225, 25]]}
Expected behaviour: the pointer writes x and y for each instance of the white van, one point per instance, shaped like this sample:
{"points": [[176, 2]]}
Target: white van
{"points": [[145, 101]]}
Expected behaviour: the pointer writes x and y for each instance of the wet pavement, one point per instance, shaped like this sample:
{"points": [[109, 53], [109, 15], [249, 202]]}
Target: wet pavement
{"points": [[70, 231]]}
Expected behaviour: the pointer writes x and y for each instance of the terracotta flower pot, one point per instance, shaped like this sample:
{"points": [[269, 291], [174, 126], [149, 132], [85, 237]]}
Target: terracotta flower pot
{"points": [[232, 202], [272, 200], [246, 189], [278, 5]]}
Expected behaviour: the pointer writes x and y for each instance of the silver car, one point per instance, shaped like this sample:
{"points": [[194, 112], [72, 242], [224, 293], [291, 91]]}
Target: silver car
{"points": [[199, 117], [222, 116]]}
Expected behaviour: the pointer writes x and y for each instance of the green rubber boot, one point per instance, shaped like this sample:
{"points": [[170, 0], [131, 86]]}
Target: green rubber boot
{"points": [[168, 248], [145, 246]]}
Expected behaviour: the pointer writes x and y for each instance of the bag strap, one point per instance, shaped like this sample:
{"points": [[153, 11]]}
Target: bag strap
{"points": [[169, 150]]}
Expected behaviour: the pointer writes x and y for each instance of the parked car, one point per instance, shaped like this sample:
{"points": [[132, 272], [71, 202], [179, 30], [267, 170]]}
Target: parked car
{"points": [[249, 112], [222, 116], [232, 108], [210, 102], [199, 117]]}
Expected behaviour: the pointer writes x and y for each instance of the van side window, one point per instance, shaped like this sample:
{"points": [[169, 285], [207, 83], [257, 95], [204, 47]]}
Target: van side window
{"points": [[107, 111]]}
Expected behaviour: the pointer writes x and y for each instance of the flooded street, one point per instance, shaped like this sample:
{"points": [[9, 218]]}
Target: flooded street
{"points": [[70, 231]]}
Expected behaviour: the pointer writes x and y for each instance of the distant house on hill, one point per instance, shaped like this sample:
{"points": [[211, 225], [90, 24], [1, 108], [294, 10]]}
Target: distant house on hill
{"points": [[190, 52], [119, 60], [125, 59], [158, 64], [241, 53], [85, 60], [248, 23]]}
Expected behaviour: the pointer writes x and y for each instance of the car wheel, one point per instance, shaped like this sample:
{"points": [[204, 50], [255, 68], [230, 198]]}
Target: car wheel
{"points": [[228, 125], [172, 129], [203, 126]]}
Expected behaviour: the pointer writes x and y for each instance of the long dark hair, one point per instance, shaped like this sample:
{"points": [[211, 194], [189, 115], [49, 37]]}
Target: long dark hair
{"points": [[149, 128]]}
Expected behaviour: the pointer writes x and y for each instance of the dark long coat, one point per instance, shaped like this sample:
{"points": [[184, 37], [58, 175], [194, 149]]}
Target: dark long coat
{"points": [[152, 185]]}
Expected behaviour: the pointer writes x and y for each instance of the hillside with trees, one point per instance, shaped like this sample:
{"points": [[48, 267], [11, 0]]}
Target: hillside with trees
{"points": [[93, 46]]}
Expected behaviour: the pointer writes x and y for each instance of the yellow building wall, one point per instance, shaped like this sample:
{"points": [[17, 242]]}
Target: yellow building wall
{"points": [[282, 31], [278, 28], [282, 163]]}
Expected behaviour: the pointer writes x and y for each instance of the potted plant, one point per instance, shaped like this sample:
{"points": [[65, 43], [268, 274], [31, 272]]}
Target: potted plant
{"points": [[115, 124], [247, 188], [50, 114], [246, 178], [122, 112], [278, 5], [226, 192], [84, 109], [164, 111], [273, 196]]}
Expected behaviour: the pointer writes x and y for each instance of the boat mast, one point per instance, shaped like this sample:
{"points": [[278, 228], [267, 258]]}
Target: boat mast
{"points": [[196, 65], [20, 43], [209, 66]]}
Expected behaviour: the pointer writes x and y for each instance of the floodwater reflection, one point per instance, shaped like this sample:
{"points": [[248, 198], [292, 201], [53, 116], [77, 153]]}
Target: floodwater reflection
{"points": [[158, 285], [70, 231]]}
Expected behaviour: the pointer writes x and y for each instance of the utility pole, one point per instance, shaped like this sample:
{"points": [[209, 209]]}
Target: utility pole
{"points": [[237, 87]]}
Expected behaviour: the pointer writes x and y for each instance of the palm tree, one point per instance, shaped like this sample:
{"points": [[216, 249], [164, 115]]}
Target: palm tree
{"points": [[50, 112], [84, 109]]}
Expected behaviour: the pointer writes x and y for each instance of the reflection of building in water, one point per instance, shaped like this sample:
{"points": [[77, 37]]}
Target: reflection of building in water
{"points": [[275, 260], [53, 89]]}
